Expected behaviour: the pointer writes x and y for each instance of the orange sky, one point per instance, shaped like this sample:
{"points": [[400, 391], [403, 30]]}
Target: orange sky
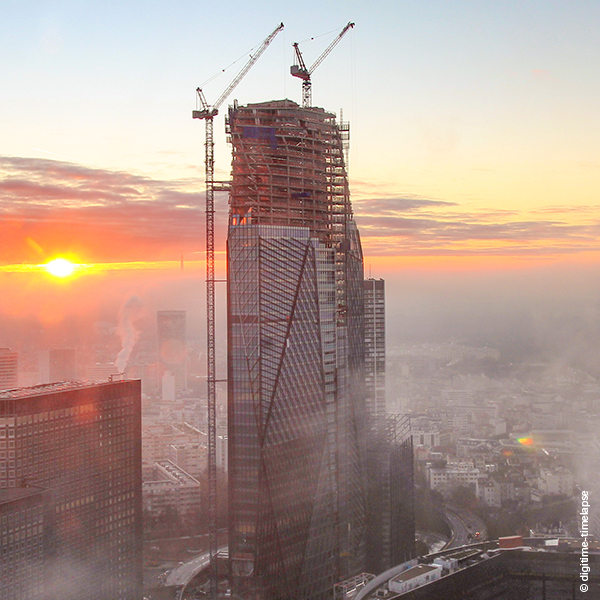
{"points": [[52, 208], [449, 267]]}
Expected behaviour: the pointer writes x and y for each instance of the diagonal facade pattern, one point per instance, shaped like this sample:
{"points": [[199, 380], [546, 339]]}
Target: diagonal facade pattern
{"points": [[295, 356]]}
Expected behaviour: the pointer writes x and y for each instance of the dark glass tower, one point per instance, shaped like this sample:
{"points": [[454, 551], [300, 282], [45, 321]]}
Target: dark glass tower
{"points": [[391, 514], [295, 356]]}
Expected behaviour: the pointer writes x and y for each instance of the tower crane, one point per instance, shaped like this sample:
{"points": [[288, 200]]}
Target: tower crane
{"points": [[207, 113], [299, 70]]}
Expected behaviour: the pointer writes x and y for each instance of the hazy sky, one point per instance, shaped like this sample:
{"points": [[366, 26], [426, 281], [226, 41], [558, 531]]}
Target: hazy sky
{"points": [[474, 128]]}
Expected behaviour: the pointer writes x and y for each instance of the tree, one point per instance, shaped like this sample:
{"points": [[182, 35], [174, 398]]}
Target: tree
{"points": [[464, 497]]}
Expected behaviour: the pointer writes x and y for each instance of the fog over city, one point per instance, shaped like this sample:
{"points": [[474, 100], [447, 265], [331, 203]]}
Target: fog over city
{"points": [[548, 313], [407, 246]]}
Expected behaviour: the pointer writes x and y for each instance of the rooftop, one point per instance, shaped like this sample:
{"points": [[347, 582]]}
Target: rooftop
{"points": [[415, 572], [50, 388], [466, 557]]}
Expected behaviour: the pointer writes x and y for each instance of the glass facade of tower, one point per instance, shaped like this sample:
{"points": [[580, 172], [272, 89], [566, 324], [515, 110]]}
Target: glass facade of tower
{"points": [[295, 356], [391, 515]]}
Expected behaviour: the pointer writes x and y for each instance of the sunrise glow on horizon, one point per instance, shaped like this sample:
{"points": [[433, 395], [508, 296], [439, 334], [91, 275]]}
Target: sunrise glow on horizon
{"points": [[62, 268], [473, 151], [471, 166]]}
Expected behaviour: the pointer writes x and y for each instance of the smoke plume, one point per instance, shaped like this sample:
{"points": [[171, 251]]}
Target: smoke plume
{"points": [[129, 335]]}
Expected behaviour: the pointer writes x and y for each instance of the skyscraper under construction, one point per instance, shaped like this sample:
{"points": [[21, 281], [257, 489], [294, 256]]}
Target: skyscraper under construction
{"points": [[295, 356]]}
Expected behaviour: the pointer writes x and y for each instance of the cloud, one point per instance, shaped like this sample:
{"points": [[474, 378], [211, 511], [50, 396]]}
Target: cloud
{"points": [[102, 215], [568, 208], [51, 207], [397, 205], [419, 226]]}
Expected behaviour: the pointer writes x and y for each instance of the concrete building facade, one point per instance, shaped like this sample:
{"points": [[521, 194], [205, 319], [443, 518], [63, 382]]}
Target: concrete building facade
{"points": [[171, 488], [9, 374], [375, 345]]}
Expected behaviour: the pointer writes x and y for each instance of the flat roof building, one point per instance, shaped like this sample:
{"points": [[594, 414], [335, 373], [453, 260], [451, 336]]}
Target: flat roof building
{"points": [[171, 488], [83, 443]]}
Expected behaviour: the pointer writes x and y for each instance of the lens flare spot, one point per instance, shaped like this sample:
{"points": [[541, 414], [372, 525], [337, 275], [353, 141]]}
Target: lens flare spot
{"points": [[60, 267], [526, 441]]}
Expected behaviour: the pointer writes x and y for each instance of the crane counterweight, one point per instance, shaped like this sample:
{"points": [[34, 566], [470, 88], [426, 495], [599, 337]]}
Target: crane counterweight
{"points": [[205, 114], [299, 69]]}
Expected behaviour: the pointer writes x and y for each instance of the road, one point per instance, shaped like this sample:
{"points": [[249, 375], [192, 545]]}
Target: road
{"points": [[182, 574], [464, 523]]}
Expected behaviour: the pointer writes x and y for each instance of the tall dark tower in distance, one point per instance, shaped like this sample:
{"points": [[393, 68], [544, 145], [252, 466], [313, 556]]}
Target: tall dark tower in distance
{"points": [[172, 356], [9, 375], [295, 356], [62, 364], [391, 500]]}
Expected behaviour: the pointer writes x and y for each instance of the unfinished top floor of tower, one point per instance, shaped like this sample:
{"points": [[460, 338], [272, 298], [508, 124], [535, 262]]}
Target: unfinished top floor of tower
{"points": [[289, 168]]}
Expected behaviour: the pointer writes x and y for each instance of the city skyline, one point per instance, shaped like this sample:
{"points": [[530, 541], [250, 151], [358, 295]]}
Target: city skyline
{"points": [[471, 168], [473, 177]]}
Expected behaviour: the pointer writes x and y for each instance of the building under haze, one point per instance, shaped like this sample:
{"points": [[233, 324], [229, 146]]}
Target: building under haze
{"points": [[9, 375], [172, 356], [295, 356], [375, 345], [81, 443]]}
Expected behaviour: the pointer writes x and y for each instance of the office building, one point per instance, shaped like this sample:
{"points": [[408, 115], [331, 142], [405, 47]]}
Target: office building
{"points": [[375, 345], [391, 504], [83, 443], [171, 488], [296, 426], [190, 457], [172, 357], [25, 542], [9, 374]]}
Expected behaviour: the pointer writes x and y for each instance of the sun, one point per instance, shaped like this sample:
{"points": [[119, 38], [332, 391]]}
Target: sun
{"points": [[60, 267]]}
